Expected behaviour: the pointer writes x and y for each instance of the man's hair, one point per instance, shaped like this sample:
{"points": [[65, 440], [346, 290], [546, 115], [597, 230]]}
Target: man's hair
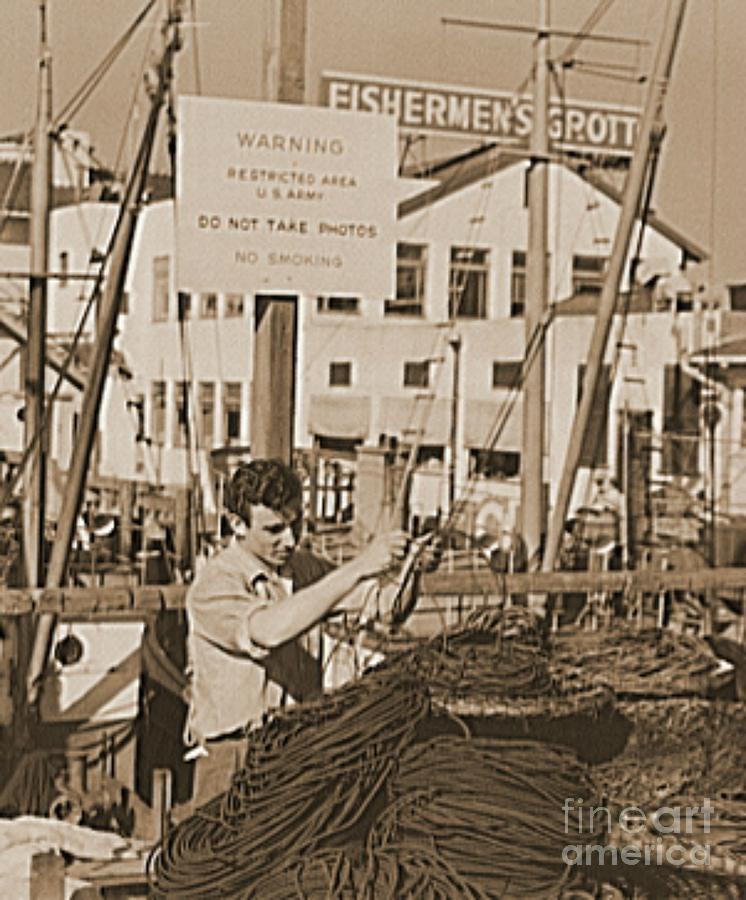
{"points": [[263, 482]]}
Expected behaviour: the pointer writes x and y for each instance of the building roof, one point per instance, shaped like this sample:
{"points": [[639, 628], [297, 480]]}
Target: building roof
{"points": [[469, 168], [732, 344]]}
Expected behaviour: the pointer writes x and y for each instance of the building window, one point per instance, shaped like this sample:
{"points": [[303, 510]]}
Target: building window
{"points": [[208, 306], [518, 284], [207, 413], [137, 408], [185, 306], [231, 412], [737, 296], [340, 374], [417, 374], [181, 420], [595, 449], [681, 400], [233, 305], [158, 412], [411, 264], [506, 373], [334, 303], [588, 274], [467, 291], [430, 453], [160, 288], [64, 268], [494, 463]]}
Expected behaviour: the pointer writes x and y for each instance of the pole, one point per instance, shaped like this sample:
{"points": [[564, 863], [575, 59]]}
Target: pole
{"points": [[649, 132], [273, 369], [34, 359], [105, 331], [532, 469], [455, 343]]}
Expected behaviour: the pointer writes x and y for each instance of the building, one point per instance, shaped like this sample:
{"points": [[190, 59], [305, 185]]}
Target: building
{"points": [[378, 372]]}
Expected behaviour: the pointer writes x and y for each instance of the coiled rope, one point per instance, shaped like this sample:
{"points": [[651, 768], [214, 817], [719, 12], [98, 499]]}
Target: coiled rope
{"points": [[342, 798], [491, 811], [311, 773]]}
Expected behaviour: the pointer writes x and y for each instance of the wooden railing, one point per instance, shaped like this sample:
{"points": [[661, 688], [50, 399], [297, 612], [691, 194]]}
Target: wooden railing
{"points": [[470, 585]]}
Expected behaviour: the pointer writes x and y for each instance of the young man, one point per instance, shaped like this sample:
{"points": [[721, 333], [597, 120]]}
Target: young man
{"points": [[245, 617]]}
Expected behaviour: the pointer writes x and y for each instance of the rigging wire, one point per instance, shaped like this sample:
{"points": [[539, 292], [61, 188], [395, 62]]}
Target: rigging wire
{"points": [[133, 102], [585, 30], [10, 357], [195, 49], [10, 484], [76, 102], [539, 337]]}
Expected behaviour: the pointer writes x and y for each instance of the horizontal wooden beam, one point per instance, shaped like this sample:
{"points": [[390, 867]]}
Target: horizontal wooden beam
{"points": [[645, 581], [117, 602], [103, 602]]}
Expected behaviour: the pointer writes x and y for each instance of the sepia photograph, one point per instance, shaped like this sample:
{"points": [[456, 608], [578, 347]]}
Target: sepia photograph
{"points": [[373, 450]]}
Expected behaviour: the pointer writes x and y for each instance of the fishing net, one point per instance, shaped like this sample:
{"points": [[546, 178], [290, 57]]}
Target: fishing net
{"points": [[678, 747], [498, 663], [633, 662]]}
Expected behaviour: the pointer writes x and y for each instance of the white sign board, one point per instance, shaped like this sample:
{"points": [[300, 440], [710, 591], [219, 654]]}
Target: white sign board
{"points": [[277, 197]]}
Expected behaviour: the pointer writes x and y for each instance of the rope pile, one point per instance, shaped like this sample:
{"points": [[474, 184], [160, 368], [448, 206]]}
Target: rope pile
{"points": [[344, 798], [311, 773], [490, 812]]}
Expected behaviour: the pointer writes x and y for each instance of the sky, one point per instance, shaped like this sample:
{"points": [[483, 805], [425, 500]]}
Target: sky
{"points": [[701, 185]]}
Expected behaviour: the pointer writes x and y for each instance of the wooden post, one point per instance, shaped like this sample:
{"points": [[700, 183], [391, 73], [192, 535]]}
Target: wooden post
{"points": [[162, 796], [273, 391], [455, 343], [47, 877], [273, 386]]}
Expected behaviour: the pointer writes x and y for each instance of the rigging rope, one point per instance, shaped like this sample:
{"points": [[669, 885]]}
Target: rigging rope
{"points": [[76, 102]]}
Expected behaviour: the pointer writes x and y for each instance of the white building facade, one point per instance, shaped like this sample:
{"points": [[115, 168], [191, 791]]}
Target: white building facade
{"points": [[375, 371]]}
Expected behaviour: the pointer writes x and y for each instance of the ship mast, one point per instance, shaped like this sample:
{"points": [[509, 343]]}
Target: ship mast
{"points": [[532, 455], [650, 131], [121, 245], [34, 357]]}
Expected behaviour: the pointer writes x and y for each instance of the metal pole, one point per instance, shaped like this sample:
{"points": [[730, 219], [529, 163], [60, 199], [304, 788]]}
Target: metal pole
{"points": [[532, 469], [34, 361], [455, 343], [105, 330], [650, 127]]}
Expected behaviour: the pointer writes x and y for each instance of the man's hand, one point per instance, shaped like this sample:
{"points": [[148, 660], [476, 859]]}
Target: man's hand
{"points": [[383, 552]]}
